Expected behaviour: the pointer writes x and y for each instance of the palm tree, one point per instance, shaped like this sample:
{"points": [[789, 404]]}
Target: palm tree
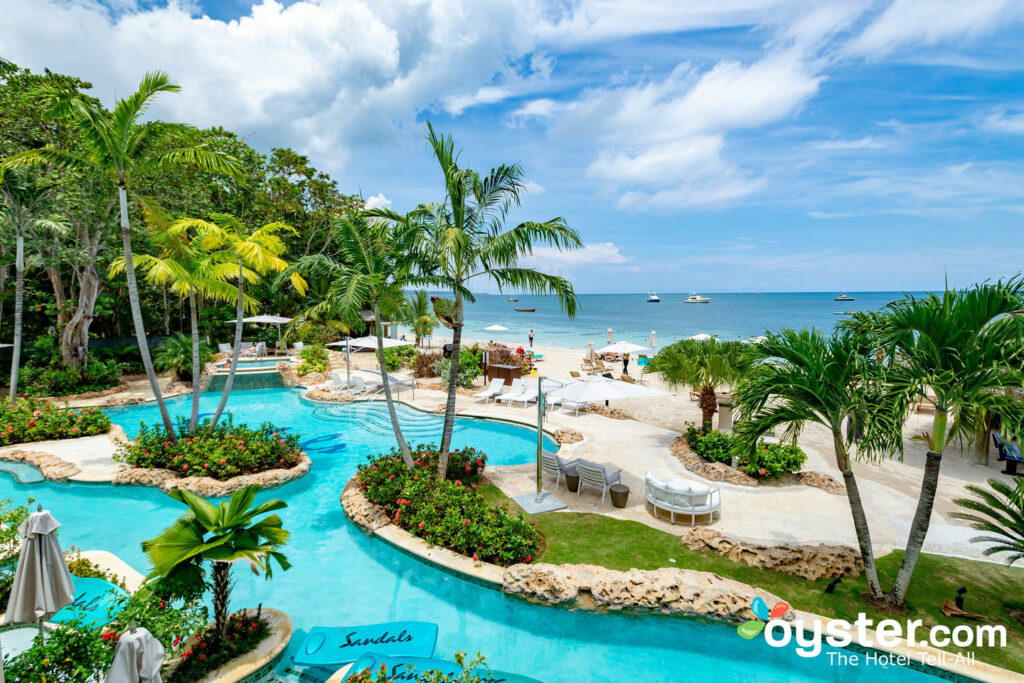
{"points": [[119, 148], [25, 204], [220, 535], [469, 240], [704, 365], [999, 512], [255, 252], [378, 260], [962, 352], [795, 377], [418, 315], [189, 271]]}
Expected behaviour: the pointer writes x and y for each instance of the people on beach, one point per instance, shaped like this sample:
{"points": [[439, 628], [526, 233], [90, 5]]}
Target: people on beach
{"points": [[531, 339], [625, 364]]}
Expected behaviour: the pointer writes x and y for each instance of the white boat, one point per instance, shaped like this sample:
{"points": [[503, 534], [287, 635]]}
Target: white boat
{"points": [[843, 297], [696, 298], [653, 298]]}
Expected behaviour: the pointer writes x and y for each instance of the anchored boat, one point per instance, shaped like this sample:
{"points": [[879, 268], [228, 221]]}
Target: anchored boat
{"points": [[696, 298], [653, 298], [843, 297]]}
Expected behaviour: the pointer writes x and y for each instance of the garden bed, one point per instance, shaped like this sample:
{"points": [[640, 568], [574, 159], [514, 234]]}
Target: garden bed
{"points": [[254, 657], [34, 419]]}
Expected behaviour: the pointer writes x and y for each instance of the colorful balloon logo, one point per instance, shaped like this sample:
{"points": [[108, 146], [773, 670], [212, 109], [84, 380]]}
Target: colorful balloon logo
{"points": [[750, 629]]}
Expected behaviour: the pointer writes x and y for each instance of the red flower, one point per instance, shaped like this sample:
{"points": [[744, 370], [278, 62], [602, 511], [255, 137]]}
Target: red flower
{"points": [[391, 476], [479, 461], [529, 559], [761, 471], [184, 467], [421, 525], [374, 467], [202, 657], [222, 462], [468, 468], [458, 482], [474, 557]]}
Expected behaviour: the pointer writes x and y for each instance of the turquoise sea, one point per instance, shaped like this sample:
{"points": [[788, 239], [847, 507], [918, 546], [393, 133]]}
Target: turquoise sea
{"points": [[631, 318]]}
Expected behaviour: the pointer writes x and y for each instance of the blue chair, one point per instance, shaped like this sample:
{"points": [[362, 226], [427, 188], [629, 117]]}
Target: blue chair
{"points": [[1010, 452]]}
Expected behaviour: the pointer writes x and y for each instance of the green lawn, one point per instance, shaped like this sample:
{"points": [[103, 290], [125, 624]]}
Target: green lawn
{"points": [[579, 538]]}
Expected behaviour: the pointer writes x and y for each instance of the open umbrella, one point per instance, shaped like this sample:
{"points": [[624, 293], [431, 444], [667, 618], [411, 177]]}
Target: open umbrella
{"points": [[496, 328], [623, 347], [359, 343], [701, 337], [600, 388], [137, 659], [267, 319]]}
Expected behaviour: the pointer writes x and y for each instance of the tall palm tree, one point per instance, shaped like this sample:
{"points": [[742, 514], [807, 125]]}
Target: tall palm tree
{"points": [[256, 252], [470, 241], [220, 535], [378, 260], [962, 352], [418, 315], [118, 147], [999, 512], [799, 377], [188, 270], [704, 365], [25, 204]]}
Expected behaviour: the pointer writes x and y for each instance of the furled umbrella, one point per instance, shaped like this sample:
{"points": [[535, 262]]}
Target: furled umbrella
{"points": [[652, 339], [610, 335], [138, 658], [590, 351]]}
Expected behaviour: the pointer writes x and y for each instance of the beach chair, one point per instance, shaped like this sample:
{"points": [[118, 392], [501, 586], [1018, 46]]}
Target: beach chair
{"points": [[337, 382], [599, 367], [557, 466], [596, 476], [587, 366], [574, 405], [224, 348], [260, 350], [514, 390], [1009, 452], [627, 379], [492, 390], [574, 374], [529, 394], [358, 386], [298, 346], [248, 349]]}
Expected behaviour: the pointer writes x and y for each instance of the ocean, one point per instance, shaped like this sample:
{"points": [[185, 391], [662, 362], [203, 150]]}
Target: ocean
{"points": [[631, 318]]}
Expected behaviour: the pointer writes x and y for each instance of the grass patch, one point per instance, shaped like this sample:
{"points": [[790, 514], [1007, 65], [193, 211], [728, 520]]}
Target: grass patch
{"points": [[992, 590]]}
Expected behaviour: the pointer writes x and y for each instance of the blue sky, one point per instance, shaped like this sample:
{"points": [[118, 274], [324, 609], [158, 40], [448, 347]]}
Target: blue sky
{"points": [[713, 145]]}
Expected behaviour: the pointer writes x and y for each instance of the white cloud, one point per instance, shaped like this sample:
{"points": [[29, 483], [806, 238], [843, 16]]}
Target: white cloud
{"points": [[488, 94], [551, 260], [1005, 120], [840, 145], [378, 201], [534, 188]]}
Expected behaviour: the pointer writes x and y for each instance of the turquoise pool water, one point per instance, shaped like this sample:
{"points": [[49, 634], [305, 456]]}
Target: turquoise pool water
{"points": [[341, 576]]}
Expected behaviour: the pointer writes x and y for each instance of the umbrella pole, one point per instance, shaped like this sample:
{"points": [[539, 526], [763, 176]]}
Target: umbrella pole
{"points": [[3, 675], [540, 436], [348, 364]]}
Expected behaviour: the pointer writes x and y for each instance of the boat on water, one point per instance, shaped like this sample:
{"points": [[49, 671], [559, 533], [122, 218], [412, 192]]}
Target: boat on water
{"points": [[412, 668], [330, 648], [511, 299], [696, 298], [843, 312], [843, 297], [526, 310], [653, 298]]}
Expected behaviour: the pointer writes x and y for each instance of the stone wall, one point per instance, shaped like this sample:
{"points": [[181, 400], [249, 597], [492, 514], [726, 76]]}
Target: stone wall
{"points": [[208, 487], [51, 467], [567, 436]]}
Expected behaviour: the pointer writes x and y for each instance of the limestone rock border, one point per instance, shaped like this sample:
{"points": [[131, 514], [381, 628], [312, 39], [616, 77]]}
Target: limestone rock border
{"points": [[208, 487], [51, 467], [254, 665]]}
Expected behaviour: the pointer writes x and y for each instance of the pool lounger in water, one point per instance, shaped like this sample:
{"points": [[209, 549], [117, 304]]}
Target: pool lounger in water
{"points": [[333, 647], [411, 668]]}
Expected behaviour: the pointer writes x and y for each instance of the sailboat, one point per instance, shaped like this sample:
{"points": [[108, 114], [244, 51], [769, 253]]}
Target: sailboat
{"points": [[653, 298]]}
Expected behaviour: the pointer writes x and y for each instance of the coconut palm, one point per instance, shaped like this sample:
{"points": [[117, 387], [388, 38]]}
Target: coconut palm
{"points": [[378, 260], [120, 148], [220, 535], [703, 365], [469, 241], [799, 377], [998, 512], [25, 204], [418, 315], [255, 252], [963, 353]]}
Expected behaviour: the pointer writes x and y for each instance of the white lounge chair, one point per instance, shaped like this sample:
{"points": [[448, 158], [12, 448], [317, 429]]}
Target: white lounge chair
{"points": [[298, 346], [554, 464], [357, 387], [492, 390], [681, 497], [514, 390], [529, 394], [224, 348], [596, 476], [337, 382], [574, 405]]}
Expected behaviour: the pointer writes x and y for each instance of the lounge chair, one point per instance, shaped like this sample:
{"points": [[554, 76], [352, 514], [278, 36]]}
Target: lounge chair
{"points": [[557, 466], [529, 394], [337, 381], [574, 405], [298, 346], [1010, 452], [680, 497], [358, 387], [574, 374], [599, 367], [587, 366], [248, 349], [260, 351], [224, 348], [596, 476], [628, 380], [493, 389], [515, 389]]}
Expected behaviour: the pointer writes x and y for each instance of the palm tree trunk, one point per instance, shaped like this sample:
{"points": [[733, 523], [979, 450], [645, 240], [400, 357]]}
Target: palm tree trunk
{"points": [[453, 384], [140, 327], [235, 350], [221, 594], [918, 529], [167, 314], [403, 447], [19, 296], [708, 405], [197, 369], [860, 520]]}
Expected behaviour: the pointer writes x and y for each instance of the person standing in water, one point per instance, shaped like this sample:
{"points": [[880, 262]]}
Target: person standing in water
{"points": [[531, 339]]}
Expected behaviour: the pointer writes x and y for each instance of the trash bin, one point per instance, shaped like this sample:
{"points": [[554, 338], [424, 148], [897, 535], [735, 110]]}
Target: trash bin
{"points": [[572, 481], [620, 494], [448, 350]]}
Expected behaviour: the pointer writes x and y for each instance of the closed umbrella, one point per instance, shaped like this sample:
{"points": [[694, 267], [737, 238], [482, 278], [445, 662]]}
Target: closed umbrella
{"points": [[138, 658], [609, 335], [590, 351], [652, 339]]}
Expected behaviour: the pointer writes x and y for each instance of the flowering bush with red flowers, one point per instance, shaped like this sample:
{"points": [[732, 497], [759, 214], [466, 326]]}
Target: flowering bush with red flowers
{"points": [[448, 513], [33, 419], [225, 451], [208, 650]]}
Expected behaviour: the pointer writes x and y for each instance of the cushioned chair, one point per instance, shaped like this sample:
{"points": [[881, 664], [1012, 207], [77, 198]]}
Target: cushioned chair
{"points": [[1010, 453], [557, 466], [596, 476], [680, 497]]}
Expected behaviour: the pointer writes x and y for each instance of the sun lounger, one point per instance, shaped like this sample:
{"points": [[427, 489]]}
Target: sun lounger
{"points": [[493, 390], [1010, 452], [337, 381], [557, 466], [224, 348], [298, 346], [574, 374], [596, 476], [514, 390], [680, 497], [529, 394], [574, 406]]}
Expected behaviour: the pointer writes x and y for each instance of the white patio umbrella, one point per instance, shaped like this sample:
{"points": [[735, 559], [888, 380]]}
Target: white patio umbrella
{"points": [[755, 340], [623, 347], [137, 659], [609, 335], [496, 328], [42, 583], [702, 337], [600, 388], [267, 319]]}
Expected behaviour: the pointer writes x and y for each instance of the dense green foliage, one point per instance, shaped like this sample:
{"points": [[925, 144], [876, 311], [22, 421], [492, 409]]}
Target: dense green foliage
{"points": [[474, 670], [313, 359], [56, 380], [33, 419], [999, 512], [469, 368], [225, 451], [175, 355], [211, 650], [448, 513], [397, 356], [768, 460]]}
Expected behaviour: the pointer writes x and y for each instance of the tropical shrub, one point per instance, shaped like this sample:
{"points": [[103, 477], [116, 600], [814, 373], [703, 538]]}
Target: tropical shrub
{"points": [[711, 445], [772, 460], [129, 360], [396, 356], [86, 568], [473, 671], [502, 355], [34, 419], [210, 650], [999, 512], [225, 451], [423, 364], [175, 355], [448, 513], [314, 333], [314, 359], [469, 368], [63, 381]]}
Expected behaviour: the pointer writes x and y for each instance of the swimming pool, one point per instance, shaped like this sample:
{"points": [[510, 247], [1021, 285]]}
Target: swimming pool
{"points": [[341, 576]]}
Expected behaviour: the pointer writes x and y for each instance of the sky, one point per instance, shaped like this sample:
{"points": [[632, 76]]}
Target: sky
{"points": [[706, 145]]}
